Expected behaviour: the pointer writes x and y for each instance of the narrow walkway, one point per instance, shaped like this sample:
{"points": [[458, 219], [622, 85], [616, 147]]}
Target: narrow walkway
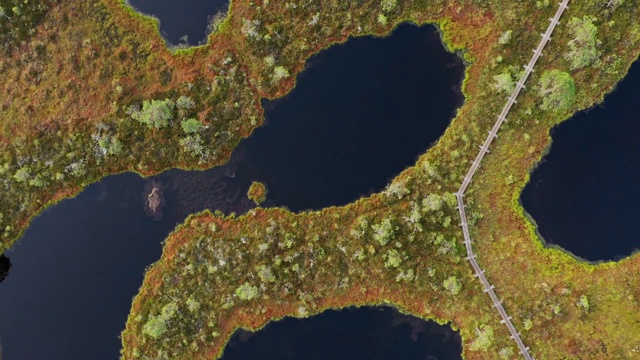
{"points": [[484, 149]]}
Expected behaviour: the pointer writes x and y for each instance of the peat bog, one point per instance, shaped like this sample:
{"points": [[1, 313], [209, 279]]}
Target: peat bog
{"points": [[361, 113], [584, 195]]}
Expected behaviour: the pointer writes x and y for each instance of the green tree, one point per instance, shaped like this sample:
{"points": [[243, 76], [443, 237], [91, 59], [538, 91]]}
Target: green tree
{"points": [[154, 113], [103, 144], [192, 304], [505, 37], [191, 125], [193, 144], [583, 302], [384, 232], [393, 258], [397, 189], [504, 83], [452, 284], [389, 5], [506, 353], [557, 89], [247, 292], [169, 310], [484, 339], [614, 3], [269, 60], [583, 46], [37, 181], [433, 202], [115, 146], [430, 170], [155, 327], [185, 103], [279, 73], [450, 199], [23, 174], [265, 274]]}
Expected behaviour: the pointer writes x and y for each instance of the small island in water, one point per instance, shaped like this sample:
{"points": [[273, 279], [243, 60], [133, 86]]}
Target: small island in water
{"points": [[257, 192], [91, 89]]}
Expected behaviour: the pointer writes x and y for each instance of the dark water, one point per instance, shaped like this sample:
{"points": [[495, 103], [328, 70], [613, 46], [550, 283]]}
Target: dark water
{"points": [[365, 333], [75, 272], [180, 18], [361, 113], [585, 195]]}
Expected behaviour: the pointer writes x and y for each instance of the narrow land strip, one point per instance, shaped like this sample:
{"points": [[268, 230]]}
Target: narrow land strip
{"points": [[484, 149]]}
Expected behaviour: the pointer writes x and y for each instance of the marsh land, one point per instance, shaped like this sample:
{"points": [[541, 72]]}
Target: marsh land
{"points": [[92, 89]]}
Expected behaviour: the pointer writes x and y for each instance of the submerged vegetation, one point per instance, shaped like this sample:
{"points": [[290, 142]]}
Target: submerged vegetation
{"points": [[101, 94]]}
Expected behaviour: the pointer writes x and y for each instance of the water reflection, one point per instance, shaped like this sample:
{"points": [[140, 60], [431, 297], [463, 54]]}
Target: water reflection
{"points": [[5, 266]]}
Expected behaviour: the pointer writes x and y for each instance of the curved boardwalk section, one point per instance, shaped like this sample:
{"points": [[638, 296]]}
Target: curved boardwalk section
{"points": [[484, 149]]}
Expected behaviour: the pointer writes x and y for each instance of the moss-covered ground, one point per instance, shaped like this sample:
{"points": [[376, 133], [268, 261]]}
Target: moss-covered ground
{"points": [[73, 111]]}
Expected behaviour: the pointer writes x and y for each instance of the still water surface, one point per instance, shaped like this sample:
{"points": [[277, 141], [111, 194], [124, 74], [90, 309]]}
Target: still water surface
{"points": [[365, 333], [584, 196], [360, 114], [182, 21]]}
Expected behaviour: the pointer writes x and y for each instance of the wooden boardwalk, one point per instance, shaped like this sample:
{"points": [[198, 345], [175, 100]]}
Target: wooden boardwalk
{"points": [[484, 149]]}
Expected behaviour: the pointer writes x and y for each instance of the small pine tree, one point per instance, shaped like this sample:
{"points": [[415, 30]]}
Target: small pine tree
{"points": [[247, 292], [452, 284], [185, 103], [504, 83], [155, 327], [557, 89], [389, 5], [191, 126], [154, 113], [279, 73]]}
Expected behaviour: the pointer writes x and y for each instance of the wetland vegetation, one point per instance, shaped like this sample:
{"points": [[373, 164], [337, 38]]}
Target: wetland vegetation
{"points": [[394, 247]]}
